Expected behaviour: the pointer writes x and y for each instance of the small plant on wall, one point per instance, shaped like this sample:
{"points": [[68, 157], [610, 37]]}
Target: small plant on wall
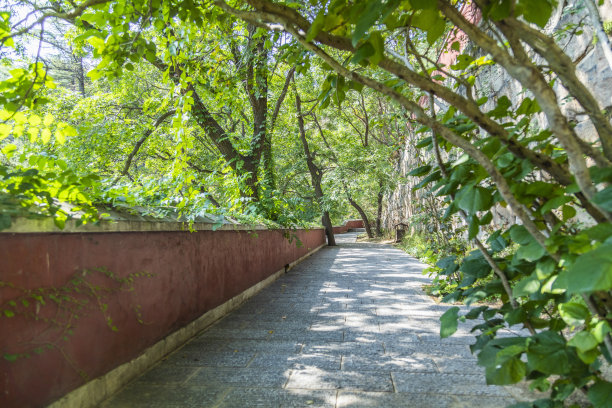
{"points": [[52, 314]]}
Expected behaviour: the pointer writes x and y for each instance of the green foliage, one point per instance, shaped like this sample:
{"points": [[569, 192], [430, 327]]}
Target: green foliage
{"points": [[179, 124]]}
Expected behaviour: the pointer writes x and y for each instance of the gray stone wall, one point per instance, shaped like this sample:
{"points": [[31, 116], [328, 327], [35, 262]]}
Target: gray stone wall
{"points": [[492, 81]]}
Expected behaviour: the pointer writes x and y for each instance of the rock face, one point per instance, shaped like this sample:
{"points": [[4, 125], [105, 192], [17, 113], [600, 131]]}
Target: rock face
{"points": [[405, 206]]}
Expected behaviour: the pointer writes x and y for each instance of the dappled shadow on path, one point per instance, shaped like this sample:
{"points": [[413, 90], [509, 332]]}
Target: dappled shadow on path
{"points": [[349, 326]]}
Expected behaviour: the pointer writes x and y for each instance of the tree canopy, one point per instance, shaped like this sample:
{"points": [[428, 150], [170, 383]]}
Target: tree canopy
{"points": [[293, 112]]}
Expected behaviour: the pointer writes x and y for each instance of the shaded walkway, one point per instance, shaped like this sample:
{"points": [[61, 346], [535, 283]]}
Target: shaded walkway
{"points": [[348, 327]]}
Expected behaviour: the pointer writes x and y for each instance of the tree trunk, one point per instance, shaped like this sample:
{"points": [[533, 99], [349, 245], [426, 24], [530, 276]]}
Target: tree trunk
{"points": [[379, 208], [329, 229], [81, 76], [315, 175], [364, 217]]}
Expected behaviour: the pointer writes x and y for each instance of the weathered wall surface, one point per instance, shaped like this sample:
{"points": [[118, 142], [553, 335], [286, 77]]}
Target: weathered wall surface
{"points": [[350, 224], [190, 273], [592, 68]]}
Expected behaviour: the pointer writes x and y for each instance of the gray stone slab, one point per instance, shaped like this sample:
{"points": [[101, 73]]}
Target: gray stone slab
{"points": [[308, 335], [402, 347], [351, 399], [467, 339], [221, 345], [167, 374], [273, 377], [388, 363], [141, 395], [186, 357], [343, 348], [270, 397], [454, 384], [318, 379], [296, 361], [458, 365]]}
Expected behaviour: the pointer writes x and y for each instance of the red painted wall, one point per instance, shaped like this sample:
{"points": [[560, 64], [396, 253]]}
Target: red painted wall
{"points": [[192, 273], [354, 224], [347, 225]]}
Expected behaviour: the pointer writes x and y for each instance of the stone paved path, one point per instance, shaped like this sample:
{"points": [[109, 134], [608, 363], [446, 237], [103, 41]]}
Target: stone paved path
{"points": [[348, 327]]}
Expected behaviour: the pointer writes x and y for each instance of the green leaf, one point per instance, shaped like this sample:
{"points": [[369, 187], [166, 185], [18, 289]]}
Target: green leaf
{"points": [[545, 268], [568, 212], [555, 203], [473, 227], [600, 394], [600, 330], [599, 232], [583, 341], [363, 52], [536, 11], [448, 322], [475, 265], [604, 199], [528, 107], [317, 26], [420, 171], [531, 252], [430, 21], [379, 48], [526, 287], [499, 10], [501, 108], [510, 372], [548, 354], [367, 19], [424, 143], [590, 272], [573, 313], [473, 198], [447, 265], [588, 356], [11, 357], [497, 242], [520, 235]]}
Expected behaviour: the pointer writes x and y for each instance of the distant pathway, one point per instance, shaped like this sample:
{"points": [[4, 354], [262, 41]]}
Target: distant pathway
{"points": [[348, 327]]}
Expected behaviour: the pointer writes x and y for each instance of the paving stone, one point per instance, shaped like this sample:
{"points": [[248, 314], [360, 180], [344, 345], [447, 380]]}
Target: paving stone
{"points": [[246, 334], [274, 377], [319, 379], [403, 347], [296, 361], [388, 363], [307, 335], [458, 365], [349, 399], [454, 339], [348, 347], [210, 358], [250, 345], [141, 395], [167, 374], [482, 401], [270, 397], [454, 384]]}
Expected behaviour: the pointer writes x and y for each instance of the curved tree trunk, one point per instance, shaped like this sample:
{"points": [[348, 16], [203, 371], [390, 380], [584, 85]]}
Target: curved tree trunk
{"points": [[379, 208], [315, 174], [363, 216]]}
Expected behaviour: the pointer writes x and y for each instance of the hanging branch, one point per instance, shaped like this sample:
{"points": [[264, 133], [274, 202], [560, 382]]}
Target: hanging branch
{"points": [[139, 143]]}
